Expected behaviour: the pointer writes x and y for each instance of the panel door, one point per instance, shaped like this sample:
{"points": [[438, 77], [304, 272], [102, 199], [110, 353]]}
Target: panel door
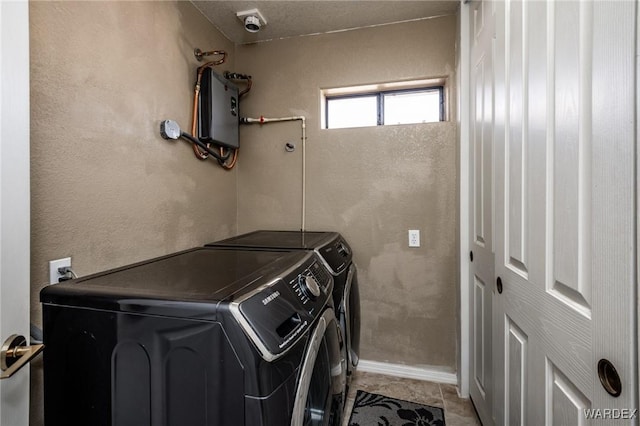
{"points": [[481, 184], [14, 199], [565, 197]]}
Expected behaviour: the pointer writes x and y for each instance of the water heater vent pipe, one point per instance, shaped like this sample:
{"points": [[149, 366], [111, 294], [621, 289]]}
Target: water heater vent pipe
{"points": [[302, 119]]}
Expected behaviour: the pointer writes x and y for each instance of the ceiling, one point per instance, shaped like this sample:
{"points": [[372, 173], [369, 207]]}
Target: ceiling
{"points": [[304, 17]]}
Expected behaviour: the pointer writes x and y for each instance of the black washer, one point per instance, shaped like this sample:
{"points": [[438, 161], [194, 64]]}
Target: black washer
{"points": [[208, 336]]}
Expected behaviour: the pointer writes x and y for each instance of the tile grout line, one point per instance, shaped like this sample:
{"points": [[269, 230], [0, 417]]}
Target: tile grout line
{"points": [[444, 402]]}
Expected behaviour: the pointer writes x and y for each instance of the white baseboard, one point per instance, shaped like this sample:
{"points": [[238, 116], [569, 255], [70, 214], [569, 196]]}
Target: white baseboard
{"points": [[431, 374]]}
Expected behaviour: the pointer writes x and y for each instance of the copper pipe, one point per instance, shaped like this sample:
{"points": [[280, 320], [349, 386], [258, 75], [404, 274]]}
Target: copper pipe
{"points": [[199, 54], [201, 155], [233, 160], [246, 90], [236, 76]]}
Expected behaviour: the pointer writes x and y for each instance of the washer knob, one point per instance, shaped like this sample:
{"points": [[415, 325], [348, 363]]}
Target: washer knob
{"points": [[309, 286]]}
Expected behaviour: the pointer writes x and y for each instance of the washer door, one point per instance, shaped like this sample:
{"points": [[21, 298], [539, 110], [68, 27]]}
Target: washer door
{"points": [[321, 385]]}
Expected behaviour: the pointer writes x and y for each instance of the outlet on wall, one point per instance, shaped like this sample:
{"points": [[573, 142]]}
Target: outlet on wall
{"points": [[54, 275], [414, 238]]}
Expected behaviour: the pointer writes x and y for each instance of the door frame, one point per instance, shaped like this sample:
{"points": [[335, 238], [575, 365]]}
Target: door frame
{"points": [[14, 199], [464, 83], [637, 248]]}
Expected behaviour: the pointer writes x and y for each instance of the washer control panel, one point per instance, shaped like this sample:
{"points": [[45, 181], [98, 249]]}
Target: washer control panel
{"points": [[310, 284], [279, 313]]}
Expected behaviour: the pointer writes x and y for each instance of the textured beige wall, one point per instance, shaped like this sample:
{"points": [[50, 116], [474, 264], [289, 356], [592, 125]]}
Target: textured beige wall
{"points": [[106, 189], [371, 184]]}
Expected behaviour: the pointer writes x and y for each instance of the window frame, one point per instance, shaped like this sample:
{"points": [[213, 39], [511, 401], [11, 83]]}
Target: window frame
{"points": [[380, 95]]}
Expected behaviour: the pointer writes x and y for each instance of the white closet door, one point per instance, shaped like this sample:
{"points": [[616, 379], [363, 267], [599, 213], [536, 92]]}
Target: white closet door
{"points": [[14, 200], [481, 186], [565, 211]]}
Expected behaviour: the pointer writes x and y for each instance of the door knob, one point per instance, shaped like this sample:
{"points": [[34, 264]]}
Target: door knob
{"points": [[15, 354], [499, 285]]}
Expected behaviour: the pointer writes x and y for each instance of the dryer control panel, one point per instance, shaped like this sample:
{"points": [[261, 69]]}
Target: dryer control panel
{"points": [[337, 254]]}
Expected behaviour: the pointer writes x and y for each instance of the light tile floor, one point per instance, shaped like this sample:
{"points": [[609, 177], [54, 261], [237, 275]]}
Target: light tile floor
{"points": [[457, 411]]}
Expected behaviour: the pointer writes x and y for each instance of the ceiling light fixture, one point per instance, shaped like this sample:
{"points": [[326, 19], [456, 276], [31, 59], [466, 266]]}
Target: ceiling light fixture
{"points": [[252, 20]]}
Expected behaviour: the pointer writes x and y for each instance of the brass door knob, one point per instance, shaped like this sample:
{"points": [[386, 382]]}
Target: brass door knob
{"points": [[15, 354]]}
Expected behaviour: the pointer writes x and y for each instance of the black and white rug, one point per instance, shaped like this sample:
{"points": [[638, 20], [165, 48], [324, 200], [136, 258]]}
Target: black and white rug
{"points": [[370, 409]]}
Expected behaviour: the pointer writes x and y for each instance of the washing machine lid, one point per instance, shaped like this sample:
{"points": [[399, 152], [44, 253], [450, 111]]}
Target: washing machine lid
{"points": [[188, 284], [331, 246]]}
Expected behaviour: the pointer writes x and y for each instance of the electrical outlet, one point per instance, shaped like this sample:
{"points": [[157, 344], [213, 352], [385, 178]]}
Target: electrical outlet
{"points": [[414, 238], [54, 275]]}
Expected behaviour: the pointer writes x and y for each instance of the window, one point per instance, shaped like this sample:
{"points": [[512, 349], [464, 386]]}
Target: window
{"points": [[352, 111], [355, 107]]}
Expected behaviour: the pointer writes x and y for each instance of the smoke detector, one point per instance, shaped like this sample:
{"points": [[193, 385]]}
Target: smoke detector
{"points": [[252, 20]]}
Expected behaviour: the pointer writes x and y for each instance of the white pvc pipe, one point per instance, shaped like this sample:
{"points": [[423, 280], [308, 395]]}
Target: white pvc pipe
{"points": [[303, 120]]}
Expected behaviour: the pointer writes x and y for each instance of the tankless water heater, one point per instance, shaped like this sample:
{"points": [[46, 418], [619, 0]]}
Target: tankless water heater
{"points": [[218, 116]]}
